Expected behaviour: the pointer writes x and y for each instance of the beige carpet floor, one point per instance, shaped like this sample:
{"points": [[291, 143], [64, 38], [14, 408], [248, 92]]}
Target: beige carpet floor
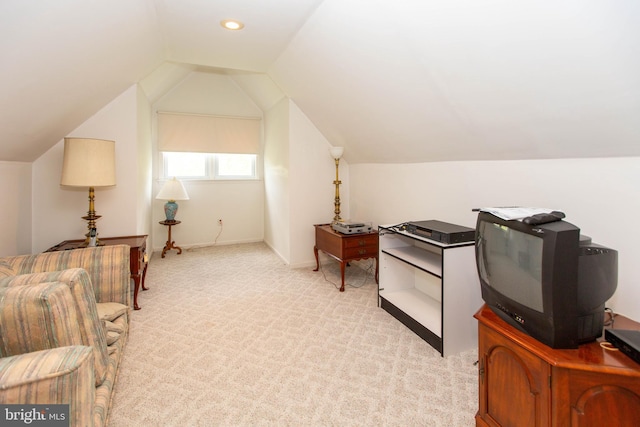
{"points": [[231, 336]]}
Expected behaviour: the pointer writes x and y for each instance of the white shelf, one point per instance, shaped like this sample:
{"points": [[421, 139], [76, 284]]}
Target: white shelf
{"points": [[422, 308], [418, 257], [431, 287]]}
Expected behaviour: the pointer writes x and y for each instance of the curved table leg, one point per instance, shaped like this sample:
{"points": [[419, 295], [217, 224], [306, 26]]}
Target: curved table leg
{"points": [[315, 251], [377, 267], [136, 288], [144, 274], [170, 245]]}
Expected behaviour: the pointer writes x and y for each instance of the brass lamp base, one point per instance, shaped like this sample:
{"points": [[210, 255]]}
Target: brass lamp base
{"points": [[336, 203], [91, 219]]}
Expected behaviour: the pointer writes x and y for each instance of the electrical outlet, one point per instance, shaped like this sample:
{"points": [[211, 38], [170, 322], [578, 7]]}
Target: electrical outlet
{"points": [[220, 222]]}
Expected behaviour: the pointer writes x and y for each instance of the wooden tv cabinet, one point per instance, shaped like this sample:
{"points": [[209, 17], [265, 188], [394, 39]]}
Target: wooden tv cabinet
{"points": [[523, 382]]}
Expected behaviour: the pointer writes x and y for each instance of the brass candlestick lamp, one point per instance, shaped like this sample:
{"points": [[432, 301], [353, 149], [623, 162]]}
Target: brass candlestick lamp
{"points": [[89, 163], [336, 153]]}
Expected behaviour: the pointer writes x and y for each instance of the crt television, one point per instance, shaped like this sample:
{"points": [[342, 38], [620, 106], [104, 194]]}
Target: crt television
{"points": [[546, 280]]}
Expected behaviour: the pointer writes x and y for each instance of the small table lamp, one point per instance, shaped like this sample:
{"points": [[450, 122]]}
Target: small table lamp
{"points": [[89, 163], [171, 191], [336, 153]]}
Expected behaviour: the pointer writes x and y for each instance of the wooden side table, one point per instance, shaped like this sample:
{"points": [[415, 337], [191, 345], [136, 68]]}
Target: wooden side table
{"points": [[345, 247], [138, 260], [170, 243]]}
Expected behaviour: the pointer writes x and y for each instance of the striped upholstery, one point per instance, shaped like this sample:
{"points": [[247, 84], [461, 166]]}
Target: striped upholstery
{"points": [[53, 301], [37, 317], [89, 325], [105, 390], [108, 268], [62, 375], [6, 269]]}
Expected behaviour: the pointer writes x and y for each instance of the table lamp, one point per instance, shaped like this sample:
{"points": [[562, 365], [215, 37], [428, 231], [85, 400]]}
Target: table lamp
{"points": [[171, 191], [336, 153], [89, 163]]}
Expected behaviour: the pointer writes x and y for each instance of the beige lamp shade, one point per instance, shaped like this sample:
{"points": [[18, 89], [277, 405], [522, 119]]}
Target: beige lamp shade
{"points": [[173, 190], [88, 163]]}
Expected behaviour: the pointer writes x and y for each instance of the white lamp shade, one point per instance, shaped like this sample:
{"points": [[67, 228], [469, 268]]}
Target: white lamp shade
{"points": [[88, 162], [173, 190], [336, 152]]}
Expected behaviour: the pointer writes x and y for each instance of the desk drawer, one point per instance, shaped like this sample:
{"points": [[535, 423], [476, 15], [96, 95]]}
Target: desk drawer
{"points": [[362, 251], [361, 241]]}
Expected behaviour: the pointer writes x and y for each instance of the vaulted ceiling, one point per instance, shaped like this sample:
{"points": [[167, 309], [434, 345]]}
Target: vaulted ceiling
{"points": [[403, 81]]}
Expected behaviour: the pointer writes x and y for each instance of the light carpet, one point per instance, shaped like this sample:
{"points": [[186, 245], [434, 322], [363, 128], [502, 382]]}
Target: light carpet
{"points": [[231, 336]]}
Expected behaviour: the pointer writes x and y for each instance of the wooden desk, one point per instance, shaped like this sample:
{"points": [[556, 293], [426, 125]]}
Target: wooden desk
{"points": [[138, 260], [526, 383], [345, 247]]}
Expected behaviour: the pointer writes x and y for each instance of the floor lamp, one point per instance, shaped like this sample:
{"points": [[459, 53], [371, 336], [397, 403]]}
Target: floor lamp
{"points": [[89, 163], [336, 153]]}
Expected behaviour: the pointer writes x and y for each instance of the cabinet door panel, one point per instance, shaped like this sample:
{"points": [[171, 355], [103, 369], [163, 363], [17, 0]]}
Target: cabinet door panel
{"points": [[515, 384], [603, 399]]}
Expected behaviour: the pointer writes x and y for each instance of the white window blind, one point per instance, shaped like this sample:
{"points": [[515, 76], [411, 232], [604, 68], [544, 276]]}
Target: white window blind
{"points": [[208, 134]]}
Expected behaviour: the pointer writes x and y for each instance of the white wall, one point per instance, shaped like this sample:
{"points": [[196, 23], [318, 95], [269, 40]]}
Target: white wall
{"points": [[299, 189], [276, 179], [598, 195], [313, 171], [145, 168], [240, 204], [15, 215], [57, 210]]}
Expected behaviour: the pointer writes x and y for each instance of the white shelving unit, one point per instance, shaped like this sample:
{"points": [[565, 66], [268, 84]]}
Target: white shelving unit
{"points": [[431, 287]]}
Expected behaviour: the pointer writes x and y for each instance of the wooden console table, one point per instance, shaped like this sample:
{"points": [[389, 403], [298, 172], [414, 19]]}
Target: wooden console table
{"points": [[526, 383], [345, 247], [138, 259]]}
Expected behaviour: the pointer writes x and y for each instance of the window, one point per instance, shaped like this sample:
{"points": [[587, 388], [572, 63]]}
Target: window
{"points": [[200, 146], [185, 165], [209, 166], [234, 166]]}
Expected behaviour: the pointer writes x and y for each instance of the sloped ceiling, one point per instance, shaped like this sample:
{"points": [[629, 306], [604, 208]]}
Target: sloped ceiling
{"points": [[405, 81], [64, 60], [468, 79]]}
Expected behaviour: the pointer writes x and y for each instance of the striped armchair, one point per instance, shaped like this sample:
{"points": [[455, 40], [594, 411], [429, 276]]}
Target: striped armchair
{"points": [[64, 322]]}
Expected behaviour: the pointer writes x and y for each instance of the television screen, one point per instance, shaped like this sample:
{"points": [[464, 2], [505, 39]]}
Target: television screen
{"points": [[511, 263], [545, 279]]}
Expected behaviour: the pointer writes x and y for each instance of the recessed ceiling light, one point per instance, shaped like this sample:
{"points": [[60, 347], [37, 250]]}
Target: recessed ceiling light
{"points": [[231, 24]]}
